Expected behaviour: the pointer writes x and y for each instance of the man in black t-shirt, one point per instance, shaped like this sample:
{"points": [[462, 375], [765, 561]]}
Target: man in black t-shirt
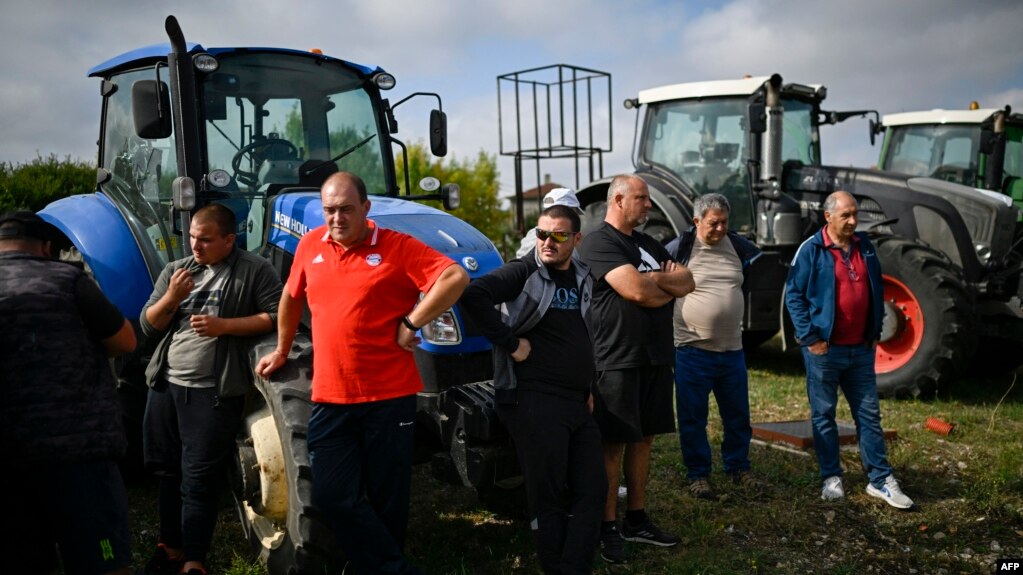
{"points": [[543, 367], [635, 285]]}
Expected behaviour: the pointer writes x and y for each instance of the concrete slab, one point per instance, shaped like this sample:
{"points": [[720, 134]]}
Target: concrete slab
{"points": [[799, 433]]}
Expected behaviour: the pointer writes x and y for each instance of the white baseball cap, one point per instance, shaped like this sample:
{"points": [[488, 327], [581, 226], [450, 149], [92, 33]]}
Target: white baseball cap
{"points": [[562, 197]]}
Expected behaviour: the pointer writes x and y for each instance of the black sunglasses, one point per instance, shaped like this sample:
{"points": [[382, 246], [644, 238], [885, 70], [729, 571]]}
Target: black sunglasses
{"points": [[558, 237]]}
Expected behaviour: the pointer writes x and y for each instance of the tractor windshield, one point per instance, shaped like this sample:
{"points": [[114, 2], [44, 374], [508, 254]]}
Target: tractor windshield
{"points": [[946, 152], [704, 142], [272, 118]]}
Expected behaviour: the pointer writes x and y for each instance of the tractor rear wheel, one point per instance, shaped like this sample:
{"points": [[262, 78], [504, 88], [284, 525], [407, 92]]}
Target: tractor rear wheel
{"points": [[927, 334], [272, 481]]}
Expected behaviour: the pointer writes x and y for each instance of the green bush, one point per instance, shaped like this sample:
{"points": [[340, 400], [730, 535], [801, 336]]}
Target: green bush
{"points": [[41, 181]]}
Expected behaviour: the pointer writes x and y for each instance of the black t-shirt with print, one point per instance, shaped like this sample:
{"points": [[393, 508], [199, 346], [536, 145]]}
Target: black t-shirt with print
{"points": [[562, 355], [626, 335]]}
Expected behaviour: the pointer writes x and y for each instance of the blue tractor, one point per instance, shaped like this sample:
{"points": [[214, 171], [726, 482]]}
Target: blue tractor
{"points": [[259, 129]]}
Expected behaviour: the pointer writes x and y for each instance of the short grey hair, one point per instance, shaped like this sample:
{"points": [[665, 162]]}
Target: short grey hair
{"points": [[831, 202], [710, 202], [620, 185]]}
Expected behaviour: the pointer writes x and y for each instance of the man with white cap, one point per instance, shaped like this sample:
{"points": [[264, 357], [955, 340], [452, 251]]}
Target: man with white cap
{"points": [[556, 197]]}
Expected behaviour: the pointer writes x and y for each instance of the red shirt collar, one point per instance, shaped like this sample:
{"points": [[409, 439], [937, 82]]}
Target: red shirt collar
{"points": [[374, 232], [827, 238]]}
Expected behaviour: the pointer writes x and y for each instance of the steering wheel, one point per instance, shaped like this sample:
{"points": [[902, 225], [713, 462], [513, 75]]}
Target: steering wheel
{"points": [[250, 178], [951, 173]]}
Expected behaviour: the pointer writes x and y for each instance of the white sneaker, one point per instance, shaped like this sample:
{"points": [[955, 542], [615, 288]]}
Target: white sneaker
{"points": [[891, 493], [832, 489]]}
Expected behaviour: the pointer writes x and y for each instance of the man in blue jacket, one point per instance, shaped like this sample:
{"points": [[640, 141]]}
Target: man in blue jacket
{"points": [[835, 298], [543, 367]]}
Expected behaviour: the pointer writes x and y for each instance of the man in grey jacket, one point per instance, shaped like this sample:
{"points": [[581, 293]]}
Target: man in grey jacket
{"points": [[543, 367], [204, 309]]}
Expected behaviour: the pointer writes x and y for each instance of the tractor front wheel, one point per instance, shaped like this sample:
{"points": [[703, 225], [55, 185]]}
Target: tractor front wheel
{"points": [[272, 481]]}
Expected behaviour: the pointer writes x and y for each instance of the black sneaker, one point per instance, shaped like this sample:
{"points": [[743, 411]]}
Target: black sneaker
{"points": [[162, 564], [648, 533], [612, 547]]}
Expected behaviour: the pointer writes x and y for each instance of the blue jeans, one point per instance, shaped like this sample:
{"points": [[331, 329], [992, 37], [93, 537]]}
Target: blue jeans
{"points": [[361, 460], [697, 374], [850, 367]]}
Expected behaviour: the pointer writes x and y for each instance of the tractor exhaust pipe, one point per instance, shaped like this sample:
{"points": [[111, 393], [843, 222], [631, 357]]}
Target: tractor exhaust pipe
{"points": [[771, 143], [184, 113], [994, 169]]}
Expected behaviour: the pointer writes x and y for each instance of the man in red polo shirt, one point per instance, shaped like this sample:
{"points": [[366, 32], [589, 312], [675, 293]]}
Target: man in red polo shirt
{"points": [[362, 285], [835, 299]]}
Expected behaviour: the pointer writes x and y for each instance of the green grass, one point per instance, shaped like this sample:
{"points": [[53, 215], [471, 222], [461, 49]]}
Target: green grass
{"points": [[968, 488]]}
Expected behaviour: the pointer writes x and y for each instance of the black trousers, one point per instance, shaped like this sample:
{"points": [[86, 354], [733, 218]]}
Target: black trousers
{"points": [[559, 449], [188, 436], [361, 459]]}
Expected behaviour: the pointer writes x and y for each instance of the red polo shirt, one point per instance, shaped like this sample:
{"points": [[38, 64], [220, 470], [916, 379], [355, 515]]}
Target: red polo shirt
{"points": [[852, 293], [357, 298]]}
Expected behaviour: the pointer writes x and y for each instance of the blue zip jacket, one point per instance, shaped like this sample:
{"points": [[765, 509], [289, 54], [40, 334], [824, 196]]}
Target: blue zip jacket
{"points": [[810, 290], [681, 248]]}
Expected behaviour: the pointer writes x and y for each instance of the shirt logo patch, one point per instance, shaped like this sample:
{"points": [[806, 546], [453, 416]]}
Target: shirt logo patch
{"points": [[373, 259], [318, 259]]}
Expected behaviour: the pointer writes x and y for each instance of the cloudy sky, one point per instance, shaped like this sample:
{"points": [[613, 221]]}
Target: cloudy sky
{"points": [[890, 56]]}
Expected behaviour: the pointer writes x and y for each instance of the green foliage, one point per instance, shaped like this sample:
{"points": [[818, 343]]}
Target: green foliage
{"points": [[478, 179], [35, 184], [363, 160]]}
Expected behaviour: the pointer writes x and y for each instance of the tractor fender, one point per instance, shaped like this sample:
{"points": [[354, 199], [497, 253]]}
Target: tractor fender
{"points": [[94, 225]]}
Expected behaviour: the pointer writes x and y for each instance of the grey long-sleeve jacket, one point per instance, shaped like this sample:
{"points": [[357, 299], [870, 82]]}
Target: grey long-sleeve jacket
{"points": [[252, 287], [524, 290]]}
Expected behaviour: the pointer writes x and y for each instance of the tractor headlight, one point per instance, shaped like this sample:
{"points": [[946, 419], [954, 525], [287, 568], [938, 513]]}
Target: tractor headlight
{"points": [[443, 330]]}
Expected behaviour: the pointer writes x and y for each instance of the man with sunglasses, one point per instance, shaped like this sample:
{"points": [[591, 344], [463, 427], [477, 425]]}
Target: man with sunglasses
{"points": [[635, 283], [835, 299], [543, 366], [555, 197]]}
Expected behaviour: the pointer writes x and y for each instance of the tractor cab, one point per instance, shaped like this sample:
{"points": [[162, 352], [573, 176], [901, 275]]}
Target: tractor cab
{"points": [[256, 123], [726, 137], [978, 147]]}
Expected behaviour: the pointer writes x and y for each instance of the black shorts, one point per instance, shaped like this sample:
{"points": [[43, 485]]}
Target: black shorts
{"points": [[82, 508], [630, 404]]}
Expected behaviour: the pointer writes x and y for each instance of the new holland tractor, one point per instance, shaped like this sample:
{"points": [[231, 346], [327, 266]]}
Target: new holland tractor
{"points": [[978, 147], [259, 129], [950, 268]]}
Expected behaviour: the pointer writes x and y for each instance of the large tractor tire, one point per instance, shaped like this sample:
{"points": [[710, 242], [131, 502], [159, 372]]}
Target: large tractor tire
{"points": [[272, 480], [928, 332]]}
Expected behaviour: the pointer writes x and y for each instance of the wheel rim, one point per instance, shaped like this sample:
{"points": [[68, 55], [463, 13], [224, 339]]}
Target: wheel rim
{"points": [[907, 327]]}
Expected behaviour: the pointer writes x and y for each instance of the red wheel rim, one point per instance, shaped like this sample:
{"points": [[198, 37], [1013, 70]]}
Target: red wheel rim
{"points": [[897, 351]]}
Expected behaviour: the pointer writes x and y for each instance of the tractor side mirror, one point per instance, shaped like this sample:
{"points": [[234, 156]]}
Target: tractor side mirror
{"points": [[875, 129], [438, 133], [757, 118], [987, 141], [150, 108]]}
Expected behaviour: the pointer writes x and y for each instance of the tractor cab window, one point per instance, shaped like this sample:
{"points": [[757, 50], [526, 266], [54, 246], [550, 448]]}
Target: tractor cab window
{"points": [[704, 144], [141, 173], [1013, 152], [275, 122], [946, 152], [799, 137]]}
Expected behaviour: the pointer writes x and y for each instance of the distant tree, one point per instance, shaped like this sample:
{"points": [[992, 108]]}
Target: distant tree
{"points": [[35, 184], [364, 160], [478, 180]]}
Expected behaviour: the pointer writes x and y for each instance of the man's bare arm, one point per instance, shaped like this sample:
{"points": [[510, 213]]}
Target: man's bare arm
{"points": [[640, 289], [675, 279], [289, 314], [121, 342]]}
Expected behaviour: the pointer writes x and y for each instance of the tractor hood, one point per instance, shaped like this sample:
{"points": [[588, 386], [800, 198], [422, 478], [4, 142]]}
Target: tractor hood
{"points": [[295, 214], [973, 227]]}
